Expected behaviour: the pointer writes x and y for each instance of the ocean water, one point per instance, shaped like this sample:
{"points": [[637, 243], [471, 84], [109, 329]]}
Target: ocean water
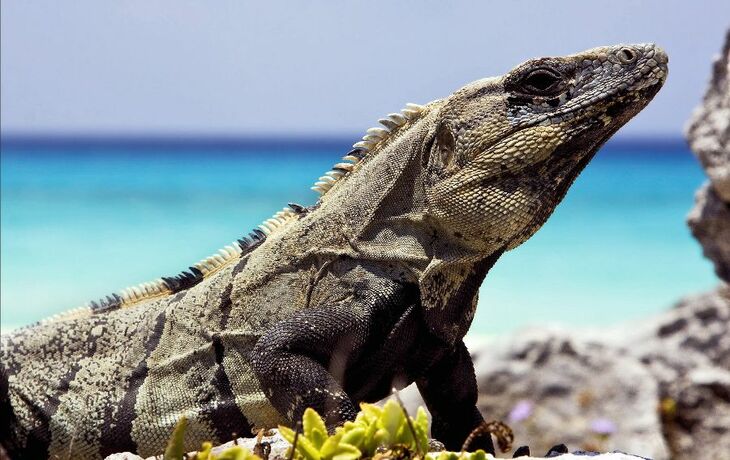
{"points": [[79, 222]]}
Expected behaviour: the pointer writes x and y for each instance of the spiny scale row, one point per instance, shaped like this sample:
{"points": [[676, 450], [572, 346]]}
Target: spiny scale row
{"points": [[203, 268], [78, 311], [361, 148], [199, 270], [279, 219]]}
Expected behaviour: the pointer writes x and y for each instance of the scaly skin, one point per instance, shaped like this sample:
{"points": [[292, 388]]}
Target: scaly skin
{"points": [[373, 287]]}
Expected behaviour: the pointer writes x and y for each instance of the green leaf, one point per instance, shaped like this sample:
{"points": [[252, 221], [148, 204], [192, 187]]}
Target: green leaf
{"points": [[204, 452], [349, 426], [355, 437], [391, 418], [347, 456], [317, 437], [404, 435], [307, 449], [347, 452], [370, 443], [445, 455], [381, 438], [312, 421], [370, 412], [421, 437], [176, 445], [287, 433], [329, 447], [422, 419]]}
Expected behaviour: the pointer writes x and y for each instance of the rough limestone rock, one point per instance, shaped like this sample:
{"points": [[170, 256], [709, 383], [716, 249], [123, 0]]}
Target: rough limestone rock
{"points": [[710, 224], [708, 131], [689, 355], [708, 134], [556, 386], [659, 387]]}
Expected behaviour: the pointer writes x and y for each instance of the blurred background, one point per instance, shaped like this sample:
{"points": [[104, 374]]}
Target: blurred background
{"points": [[138, 137]]}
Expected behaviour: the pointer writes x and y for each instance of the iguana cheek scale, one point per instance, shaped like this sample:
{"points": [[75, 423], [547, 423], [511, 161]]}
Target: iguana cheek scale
{"points": [[326, 306]]}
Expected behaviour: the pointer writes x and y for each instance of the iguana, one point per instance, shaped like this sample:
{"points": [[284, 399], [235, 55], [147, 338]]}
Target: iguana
{"points": [[325, 306]]}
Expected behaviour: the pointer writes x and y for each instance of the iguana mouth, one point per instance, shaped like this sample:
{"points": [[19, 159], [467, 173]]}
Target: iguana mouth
{"points": [[621, 94]]}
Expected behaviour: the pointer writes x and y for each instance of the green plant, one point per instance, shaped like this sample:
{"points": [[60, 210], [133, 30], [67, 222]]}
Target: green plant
{"points": [[377, 433], [231, 453], [176, 448], [373, 428], [476, 455]]}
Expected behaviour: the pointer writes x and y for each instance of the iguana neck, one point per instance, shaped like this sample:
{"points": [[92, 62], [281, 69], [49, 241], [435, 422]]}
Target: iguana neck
{"points": [[382, 211], [381, 207]]}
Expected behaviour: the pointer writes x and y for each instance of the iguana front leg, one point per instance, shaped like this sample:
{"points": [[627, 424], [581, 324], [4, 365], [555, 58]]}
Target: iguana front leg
{"points": [[449, 389], [324, 357], [296, 359]]}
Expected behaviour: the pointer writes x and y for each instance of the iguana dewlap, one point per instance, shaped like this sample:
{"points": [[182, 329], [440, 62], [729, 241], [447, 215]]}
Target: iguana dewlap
{"points": [[326, 306]]}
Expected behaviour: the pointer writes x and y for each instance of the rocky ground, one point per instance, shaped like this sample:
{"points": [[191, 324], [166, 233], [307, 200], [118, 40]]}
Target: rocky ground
{"points": [[708, 134], [659, 388]]}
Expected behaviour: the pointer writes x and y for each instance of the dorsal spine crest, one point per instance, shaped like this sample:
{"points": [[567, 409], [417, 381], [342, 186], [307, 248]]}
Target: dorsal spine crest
{"points": [[370, 141], [206, 267]]}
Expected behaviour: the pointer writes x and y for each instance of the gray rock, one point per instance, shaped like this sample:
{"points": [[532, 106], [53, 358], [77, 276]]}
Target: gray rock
{"points": [[688, 352], [708, 133], [556, 386], [709, 221], [591, 456], [659, 387]]}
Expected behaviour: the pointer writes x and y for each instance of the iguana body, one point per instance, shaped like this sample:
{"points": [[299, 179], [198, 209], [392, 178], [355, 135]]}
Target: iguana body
{"points": [[373, 287]]}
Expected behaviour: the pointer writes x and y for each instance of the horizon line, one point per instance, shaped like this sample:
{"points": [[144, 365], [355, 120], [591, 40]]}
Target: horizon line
{"points": [[246, 141]]}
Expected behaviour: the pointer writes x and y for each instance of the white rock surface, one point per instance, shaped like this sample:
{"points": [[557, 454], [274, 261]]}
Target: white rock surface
{"points": [[275, 442]]}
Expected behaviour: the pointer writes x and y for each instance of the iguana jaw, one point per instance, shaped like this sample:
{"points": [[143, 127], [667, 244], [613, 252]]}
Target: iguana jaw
{"points": [[496, 183], [588, 129]]}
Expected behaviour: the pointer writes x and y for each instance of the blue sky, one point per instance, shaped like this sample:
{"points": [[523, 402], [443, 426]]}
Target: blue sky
{"points": [[311, 67]]}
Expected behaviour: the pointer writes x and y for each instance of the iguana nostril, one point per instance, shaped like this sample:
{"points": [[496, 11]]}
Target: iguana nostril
{"points": [[627, 55]]}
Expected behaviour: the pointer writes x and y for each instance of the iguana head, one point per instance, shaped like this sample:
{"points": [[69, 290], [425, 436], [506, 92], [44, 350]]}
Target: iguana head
{"points": [[505, 150]]}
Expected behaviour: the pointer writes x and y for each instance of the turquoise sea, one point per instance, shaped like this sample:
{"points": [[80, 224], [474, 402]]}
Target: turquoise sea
{"points": [[82, 220]]}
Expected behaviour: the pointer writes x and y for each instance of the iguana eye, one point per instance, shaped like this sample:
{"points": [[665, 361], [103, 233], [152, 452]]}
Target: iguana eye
{"points": [[540, 81]]}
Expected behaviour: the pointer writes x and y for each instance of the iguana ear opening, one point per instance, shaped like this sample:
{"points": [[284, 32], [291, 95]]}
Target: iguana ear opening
{"points": [[445, 144], [438, 156]]}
